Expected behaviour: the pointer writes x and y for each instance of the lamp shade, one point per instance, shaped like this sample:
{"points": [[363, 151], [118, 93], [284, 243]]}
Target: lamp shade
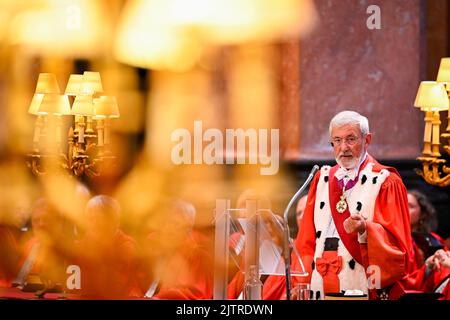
{"points": [[431, 96], [35, 103], [444, 71], [74, 84], [106, 107], [91, 83], [54, 104], [47, 84], [83, 105]]}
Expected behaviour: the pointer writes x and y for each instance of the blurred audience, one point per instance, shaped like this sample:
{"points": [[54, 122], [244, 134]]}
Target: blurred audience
{"points": [[42, 261], [423, 226], [432, 277], [13, 233], [107, 257], [429, 250], [177, 265], [9, 252], [439, 276]]}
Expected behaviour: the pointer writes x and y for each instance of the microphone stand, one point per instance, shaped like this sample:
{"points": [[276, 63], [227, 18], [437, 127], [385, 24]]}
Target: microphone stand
{"points": [[287, 254]]}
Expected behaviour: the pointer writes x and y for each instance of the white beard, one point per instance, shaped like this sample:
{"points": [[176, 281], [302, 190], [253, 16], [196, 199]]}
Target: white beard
{"points": [[352, 164], [349, 165]]}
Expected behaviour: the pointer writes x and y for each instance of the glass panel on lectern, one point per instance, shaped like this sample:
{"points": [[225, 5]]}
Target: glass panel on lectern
{"points": [[237, 239], [272, 236], [257, 236], [271, 240]]}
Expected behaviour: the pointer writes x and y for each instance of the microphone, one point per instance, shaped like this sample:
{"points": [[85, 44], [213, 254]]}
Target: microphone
{"points": [[287, 256]]}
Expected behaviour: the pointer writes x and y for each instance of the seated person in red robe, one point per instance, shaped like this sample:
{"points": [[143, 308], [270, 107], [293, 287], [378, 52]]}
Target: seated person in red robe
{"points": [[432, 277], [440, 283], [12, 219], [9, 253], [106, 256], [42, 262], [423, 224], [179, 266]]}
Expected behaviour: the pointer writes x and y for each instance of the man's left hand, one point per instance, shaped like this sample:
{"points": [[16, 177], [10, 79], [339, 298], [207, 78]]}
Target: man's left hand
{"points": [[355, 223]]}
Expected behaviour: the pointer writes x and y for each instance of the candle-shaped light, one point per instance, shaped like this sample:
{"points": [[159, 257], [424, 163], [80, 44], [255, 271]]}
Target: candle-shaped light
{"points": [[82, 107], [72, 150], [431, 98], [100, 130], [105, 108], [427, 135], [37, 131], [55, 106], [100, 125], [435, 142], [33, 109]]}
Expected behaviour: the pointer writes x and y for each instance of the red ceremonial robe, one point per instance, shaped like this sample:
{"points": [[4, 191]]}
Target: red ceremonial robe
{"points": [[419, 281], [188, 274], [9, 253], [108, 269]]}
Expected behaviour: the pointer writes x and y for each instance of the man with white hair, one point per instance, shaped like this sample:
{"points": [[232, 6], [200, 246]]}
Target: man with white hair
{"points": [[355, 234]]}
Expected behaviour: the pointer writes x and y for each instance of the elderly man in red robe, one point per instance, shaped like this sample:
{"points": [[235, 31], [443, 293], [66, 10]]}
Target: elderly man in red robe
{"points": [[355, 232]]}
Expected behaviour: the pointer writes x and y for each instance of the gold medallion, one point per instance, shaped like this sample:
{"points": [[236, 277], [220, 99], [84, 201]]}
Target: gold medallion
{"points": [[341, 206]]}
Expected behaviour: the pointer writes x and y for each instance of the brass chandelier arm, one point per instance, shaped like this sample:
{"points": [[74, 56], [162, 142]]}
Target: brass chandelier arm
{"points": [[441, 182], [79, 165], [433, 176], [37, 165], [446, 135]]}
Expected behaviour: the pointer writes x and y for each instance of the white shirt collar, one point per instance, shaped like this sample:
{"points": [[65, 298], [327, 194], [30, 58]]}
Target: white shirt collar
{"points": [[349, 174]]}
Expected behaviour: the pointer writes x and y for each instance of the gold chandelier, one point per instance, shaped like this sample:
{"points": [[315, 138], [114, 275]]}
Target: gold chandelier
{"points": [[432, 98], [88, 143]]}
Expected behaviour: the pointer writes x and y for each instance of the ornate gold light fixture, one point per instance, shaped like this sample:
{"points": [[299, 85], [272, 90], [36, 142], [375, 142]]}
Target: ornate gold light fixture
{"points": [[433, 97], [88, 143]]}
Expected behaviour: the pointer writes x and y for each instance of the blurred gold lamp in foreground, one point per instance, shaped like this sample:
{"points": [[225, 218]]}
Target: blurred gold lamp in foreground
{"points": [[432, 97], [173, 34], [87, 144]]}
